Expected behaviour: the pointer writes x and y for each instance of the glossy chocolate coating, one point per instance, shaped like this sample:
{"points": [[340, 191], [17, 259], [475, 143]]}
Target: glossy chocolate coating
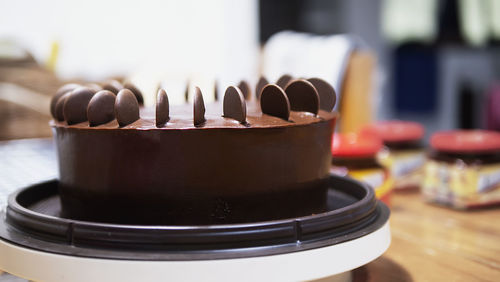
{"points": [[234, 105], [162, 108], [302, 96], [198, 108], [274, 102], [199, 168], [126, 107], [101, 108], [182, 174], [75, 106], [327, 95]]}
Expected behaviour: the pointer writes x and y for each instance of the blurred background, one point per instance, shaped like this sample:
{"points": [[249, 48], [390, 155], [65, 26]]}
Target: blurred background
{"points": [[436, 62], [432, 61]]}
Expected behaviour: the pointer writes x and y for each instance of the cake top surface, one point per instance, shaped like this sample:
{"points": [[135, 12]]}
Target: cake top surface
{"points": [[182, 119], [299, 103]]}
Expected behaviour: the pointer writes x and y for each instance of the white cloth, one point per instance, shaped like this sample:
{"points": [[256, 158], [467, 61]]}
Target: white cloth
{"points": [[305, 55]]}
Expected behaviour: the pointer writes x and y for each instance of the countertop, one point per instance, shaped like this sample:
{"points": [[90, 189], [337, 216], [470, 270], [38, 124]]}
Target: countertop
{"points": [[434, 243]]}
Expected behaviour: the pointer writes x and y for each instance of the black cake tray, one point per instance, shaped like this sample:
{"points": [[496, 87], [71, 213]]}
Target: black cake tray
{"points": [[32, 220]]}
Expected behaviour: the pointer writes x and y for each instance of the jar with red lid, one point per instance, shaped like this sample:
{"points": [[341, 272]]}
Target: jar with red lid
{"points": [[403, 153], [463, 169], [355, 156]]}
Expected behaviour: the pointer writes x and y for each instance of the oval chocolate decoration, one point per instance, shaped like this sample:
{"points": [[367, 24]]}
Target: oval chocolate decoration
{"points": [[216, 91], [327, 95], [60, 92], [75, 106], [101, 108], [126, 107], [186, 91], [136, 91], [283, 80], [274, 102], [245, 89], [260, 85], [234, 105], [198, 108], [59, 115], [94, 86], [162, 108], [302, 96], [113, 85]]}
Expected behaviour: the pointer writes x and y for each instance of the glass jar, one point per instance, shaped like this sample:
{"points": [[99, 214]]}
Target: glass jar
{"points": [[463, 169], [356, 156], [403, 153]]}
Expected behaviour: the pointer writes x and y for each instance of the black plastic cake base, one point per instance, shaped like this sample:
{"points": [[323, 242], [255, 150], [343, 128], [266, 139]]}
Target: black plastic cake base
{"points": [[195, 209], [33, 220]]}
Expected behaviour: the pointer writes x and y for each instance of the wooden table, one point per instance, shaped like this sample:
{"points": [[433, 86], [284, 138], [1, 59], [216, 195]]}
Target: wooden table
{"points": [[433, 243]]}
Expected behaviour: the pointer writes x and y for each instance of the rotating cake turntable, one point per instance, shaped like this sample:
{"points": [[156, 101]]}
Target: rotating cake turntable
{"points": [[190, 194], [37, 244]]}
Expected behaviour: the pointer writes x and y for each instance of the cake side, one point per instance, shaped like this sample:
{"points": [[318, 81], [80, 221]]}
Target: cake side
{"points": [[181, 170], [183, 165]]}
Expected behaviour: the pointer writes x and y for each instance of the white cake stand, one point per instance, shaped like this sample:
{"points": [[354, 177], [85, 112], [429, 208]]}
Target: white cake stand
{"points": [[334, 262]]}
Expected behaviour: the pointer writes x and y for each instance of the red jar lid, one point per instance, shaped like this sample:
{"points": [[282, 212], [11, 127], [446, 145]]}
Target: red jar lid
{"points": [[466, 141], [355, 145], [396, 130]]}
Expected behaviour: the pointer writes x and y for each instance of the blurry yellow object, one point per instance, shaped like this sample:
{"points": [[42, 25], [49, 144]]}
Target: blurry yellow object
{"points": [[461, 185], [54, 53], [405, 166], [356, 102], [377, 178]]}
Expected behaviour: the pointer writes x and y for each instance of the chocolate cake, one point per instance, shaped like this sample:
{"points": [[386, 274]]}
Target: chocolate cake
{"points": [[235, 161]]}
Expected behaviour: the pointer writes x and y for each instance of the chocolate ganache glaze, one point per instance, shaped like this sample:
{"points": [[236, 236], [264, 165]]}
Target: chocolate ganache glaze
{"points": [[197, 164]]}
